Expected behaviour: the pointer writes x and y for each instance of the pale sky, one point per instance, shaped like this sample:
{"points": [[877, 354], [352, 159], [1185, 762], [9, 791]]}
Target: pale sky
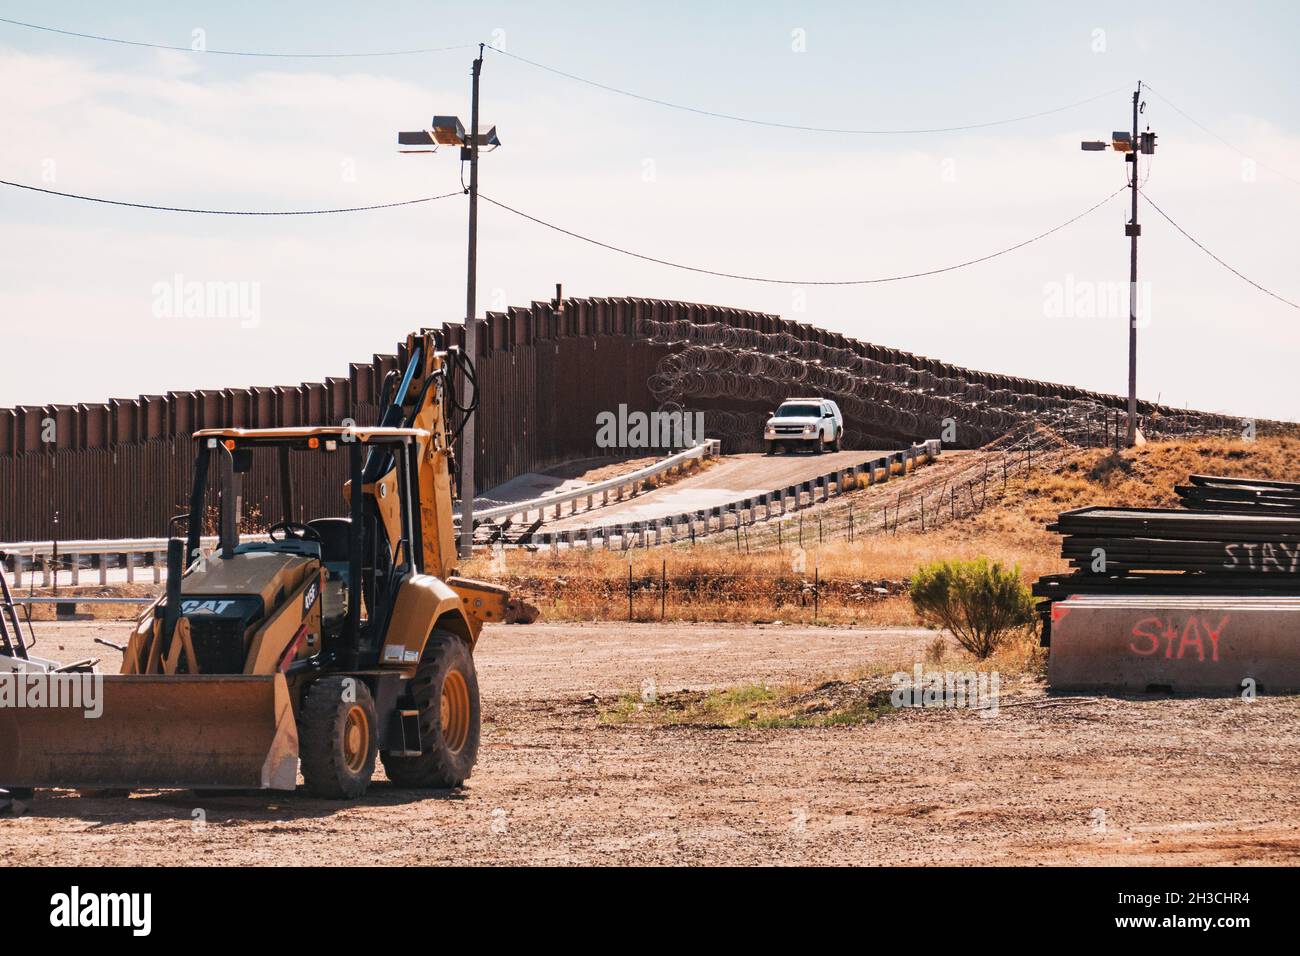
{"points": [[79, 281]]}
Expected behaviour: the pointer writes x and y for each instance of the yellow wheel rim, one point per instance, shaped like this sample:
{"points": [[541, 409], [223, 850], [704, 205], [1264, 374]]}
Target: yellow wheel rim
{"points": [[455, 711], [356, 739]]}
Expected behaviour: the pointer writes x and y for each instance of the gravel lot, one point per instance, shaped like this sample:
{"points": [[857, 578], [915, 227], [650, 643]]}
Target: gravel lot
{"points": [[1117, 780]]}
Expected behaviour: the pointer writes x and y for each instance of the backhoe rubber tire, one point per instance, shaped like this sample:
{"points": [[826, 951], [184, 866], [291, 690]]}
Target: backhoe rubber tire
{"points": [[338, 738], [448, 737]]}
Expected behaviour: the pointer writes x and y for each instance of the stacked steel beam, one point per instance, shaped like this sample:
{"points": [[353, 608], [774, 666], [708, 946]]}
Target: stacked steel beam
{"points": [[1119, 540], [1146, 551], [1246, 495]]}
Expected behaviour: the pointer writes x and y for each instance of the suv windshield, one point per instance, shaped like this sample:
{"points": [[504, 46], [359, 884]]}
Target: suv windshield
{"points": [[799, 411]]}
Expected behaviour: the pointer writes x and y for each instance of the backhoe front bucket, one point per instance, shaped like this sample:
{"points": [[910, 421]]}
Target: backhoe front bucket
{"points": [[187, 731]]}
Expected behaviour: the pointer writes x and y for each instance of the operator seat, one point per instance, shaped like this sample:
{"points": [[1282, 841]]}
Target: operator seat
{"points": [[334, 536]]}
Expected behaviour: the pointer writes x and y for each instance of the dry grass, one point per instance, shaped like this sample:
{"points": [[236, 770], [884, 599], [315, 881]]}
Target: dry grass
{"points": [[693, 585], [1020, 658], [859, 697], [830, 703], [716, 583]]}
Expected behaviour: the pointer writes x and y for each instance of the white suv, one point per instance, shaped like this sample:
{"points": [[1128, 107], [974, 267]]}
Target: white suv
{"points": [[814, 423]]}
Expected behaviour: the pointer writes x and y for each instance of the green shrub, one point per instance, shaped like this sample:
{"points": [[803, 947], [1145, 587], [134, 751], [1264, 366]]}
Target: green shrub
{"points": [[980, 603]]}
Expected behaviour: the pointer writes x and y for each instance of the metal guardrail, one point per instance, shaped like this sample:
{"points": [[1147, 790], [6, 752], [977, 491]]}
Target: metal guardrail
{"points": [[129, 553], [113, 545], [709, 448], [788, 498]]}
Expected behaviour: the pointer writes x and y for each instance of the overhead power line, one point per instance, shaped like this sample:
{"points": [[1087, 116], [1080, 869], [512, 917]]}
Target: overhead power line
{"points": [[1226, 142], [796, 126], [186, 49], [1198, 245], [228, 212], [797, 282]]}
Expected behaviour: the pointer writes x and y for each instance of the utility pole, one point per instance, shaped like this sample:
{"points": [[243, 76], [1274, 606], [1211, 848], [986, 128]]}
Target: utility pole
{"points": [[450, 131], [1133, 231], [1131, 144], [468, 445]]}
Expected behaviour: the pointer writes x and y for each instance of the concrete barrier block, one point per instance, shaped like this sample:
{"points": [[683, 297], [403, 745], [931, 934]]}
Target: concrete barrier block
{"points": [[1183, 644]]}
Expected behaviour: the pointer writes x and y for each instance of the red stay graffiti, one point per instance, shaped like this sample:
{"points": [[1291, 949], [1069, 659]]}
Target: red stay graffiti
{"points": [[1195, 636]]}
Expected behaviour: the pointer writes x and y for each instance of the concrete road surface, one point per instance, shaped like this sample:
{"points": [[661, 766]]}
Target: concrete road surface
{"points": [[727, 480]]}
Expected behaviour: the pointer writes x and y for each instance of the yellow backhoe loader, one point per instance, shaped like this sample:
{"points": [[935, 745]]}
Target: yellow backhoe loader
{"points": [[326, 644]]}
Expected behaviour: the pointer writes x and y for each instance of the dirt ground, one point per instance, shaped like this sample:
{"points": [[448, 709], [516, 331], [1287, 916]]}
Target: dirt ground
{"points": [[1118, 780]]}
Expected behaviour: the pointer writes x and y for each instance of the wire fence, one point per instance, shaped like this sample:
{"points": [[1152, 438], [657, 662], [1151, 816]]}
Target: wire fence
{"points": [[713, 361], [658, 587]]}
